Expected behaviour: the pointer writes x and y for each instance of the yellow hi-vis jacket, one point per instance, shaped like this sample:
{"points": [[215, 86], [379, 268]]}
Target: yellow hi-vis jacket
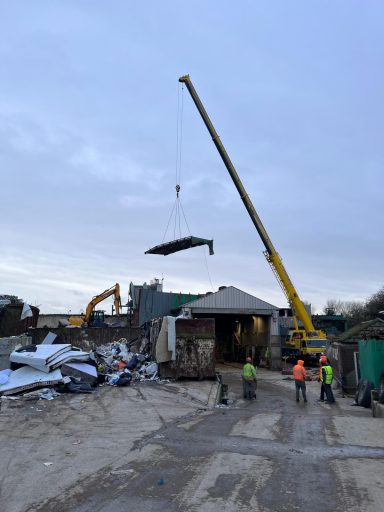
{"points": [[249, 372], [327, 374]]}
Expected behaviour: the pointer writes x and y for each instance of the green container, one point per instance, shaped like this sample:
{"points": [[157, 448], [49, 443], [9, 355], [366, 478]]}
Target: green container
{"points": [[371, 355]]}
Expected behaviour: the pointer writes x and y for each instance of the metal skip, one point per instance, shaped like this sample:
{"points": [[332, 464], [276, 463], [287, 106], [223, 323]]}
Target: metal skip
{"points": [[180, 245]]}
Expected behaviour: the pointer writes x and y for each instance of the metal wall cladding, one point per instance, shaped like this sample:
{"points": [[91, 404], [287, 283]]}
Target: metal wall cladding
{"points": [[371, 353], [88, 338], [197, 327], [11, 323], [341, 357], [154, 304]]}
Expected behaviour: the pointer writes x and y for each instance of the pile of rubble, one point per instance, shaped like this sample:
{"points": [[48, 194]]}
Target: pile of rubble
{"points": [[119, 365], [61, 368]]}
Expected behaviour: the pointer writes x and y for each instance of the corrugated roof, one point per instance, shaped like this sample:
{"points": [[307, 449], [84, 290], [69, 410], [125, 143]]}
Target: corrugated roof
{"points": [[231, 298], [359, 329]]}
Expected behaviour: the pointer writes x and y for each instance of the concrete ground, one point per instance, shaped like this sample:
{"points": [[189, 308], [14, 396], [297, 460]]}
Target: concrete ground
{"points": [[165, 446]]}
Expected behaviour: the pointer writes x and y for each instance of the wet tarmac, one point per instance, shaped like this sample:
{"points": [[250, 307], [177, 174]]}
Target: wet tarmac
{"points": [[271, 454]]}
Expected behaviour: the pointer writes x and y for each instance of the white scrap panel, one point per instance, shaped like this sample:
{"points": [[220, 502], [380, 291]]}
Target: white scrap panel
{"points": [[29, 378], [41, 358]]}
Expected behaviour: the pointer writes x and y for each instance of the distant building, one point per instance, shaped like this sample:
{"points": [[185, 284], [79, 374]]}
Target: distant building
{"points": [[332, 325], [148, 301], [11, 324]]}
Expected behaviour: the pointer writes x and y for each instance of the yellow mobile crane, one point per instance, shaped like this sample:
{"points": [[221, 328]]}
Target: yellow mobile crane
{"points": [[96, 318], [305, 341]]}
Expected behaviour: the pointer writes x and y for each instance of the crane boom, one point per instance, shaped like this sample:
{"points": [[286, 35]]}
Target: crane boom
{"points": [[270, 253]]}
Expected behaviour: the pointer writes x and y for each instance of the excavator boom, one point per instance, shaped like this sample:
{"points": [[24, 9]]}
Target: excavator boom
{"points": [[114, 290], [88, 318], [271, 254]]}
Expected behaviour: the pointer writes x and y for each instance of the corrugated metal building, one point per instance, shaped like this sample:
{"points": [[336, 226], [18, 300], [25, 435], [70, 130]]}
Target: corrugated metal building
{"points": [[148, 301], [344, 351], [245, 325]]}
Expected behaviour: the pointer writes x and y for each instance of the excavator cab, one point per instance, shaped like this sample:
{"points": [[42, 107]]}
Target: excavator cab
{"points": [[97, 319]]}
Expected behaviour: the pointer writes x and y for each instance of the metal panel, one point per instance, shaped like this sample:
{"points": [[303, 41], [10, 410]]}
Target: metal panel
{"points": [[154, 304], [275, 324], [231, 298], [201, 328], [195, 359], [371, 354], [230, 311], [180, 245]]}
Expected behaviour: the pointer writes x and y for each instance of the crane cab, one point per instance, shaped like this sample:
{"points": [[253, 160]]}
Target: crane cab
{"points": [[309, 344]]}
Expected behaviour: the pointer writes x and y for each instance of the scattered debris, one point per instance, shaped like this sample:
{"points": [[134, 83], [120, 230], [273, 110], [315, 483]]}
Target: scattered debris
{"points": [[59, 368], [121, 471], [4, 376], [47, 357], [48, 394], [49, 339], [29, 378], [84, 371]]}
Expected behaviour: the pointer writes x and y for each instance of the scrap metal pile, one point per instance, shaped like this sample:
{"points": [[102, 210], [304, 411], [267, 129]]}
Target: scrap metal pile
{"points": [[118, 365], [60, 368]]}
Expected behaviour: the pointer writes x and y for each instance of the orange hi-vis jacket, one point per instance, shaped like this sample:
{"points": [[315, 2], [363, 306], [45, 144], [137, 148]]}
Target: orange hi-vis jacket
{"points": [[299, 372]]}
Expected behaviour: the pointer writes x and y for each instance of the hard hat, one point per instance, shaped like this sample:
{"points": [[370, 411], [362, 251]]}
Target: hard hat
{"points": [[249, 360], [323, 359]]}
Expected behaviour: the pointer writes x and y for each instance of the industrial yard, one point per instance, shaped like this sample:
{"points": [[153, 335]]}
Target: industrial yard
{"points": [[167, 447], [191, 286]]}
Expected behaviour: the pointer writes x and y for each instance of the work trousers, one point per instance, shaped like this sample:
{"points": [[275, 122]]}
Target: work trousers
{"points": [[300, 384], [329, 393], [322, 391], [249, 388]]}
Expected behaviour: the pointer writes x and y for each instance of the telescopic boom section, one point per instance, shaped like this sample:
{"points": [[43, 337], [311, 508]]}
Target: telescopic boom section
{"points": [[271, 254]]}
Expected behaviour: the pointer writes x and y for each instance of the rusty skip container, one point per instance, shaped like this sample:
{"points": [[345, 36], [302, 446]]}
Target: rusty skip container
{"points": [[195, 350]]}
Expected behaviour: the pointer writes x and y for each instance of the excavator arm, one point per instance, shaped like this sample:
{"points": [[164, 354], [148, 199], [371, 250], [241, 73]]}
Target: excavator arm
{"points": [[114, 290], [270, 253]]}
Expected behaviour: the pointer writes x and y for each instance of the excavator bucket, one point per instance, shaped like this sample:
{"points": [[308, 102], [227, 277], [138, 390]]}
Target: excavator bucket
{"points": [[180, 245]]}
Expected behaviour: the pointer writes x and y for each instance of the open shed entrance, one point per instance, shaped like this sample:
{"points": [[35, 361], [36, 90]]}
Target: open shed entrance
{"points": [[239, 336]]}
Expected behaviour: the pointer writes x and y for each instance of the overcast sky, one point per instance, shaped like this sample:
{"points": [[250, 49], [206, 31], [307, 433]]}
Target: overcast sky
{"points": [[88, 138]]}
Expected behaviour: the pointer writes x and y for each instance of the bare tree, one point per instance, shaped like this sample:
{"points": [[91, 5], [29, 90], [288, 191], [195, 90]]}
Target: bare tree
{"points": [[333, 307], [354, 312], [375, 304]]}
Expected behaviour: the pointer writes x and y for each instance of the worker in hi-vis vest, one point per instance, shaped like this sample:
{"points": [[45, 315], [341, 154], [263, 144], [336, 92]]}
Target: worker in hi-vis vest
{"points": [[323, 361], [326, 379], [299, 374], [249, 380]]}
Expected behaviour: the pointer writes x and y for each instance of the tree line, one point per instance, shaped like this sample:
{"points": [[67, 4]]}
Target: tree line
{"points": [[357, 311]]}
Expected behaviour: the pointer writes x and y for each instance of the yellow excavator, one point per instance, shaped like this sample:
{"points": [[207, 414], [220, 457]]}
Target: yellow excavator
{"points": [[303, 341], [94, 318]]}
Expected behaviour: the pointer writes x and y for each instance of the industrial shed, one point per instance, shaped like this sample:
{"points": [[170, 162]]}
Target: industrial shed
{"points": [[344, 351], [244, 324]]}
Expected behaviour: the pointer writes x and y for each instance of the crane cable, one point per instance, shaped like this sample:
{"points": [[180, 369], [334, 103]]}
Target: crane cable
{"points": [[177, 207]]}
